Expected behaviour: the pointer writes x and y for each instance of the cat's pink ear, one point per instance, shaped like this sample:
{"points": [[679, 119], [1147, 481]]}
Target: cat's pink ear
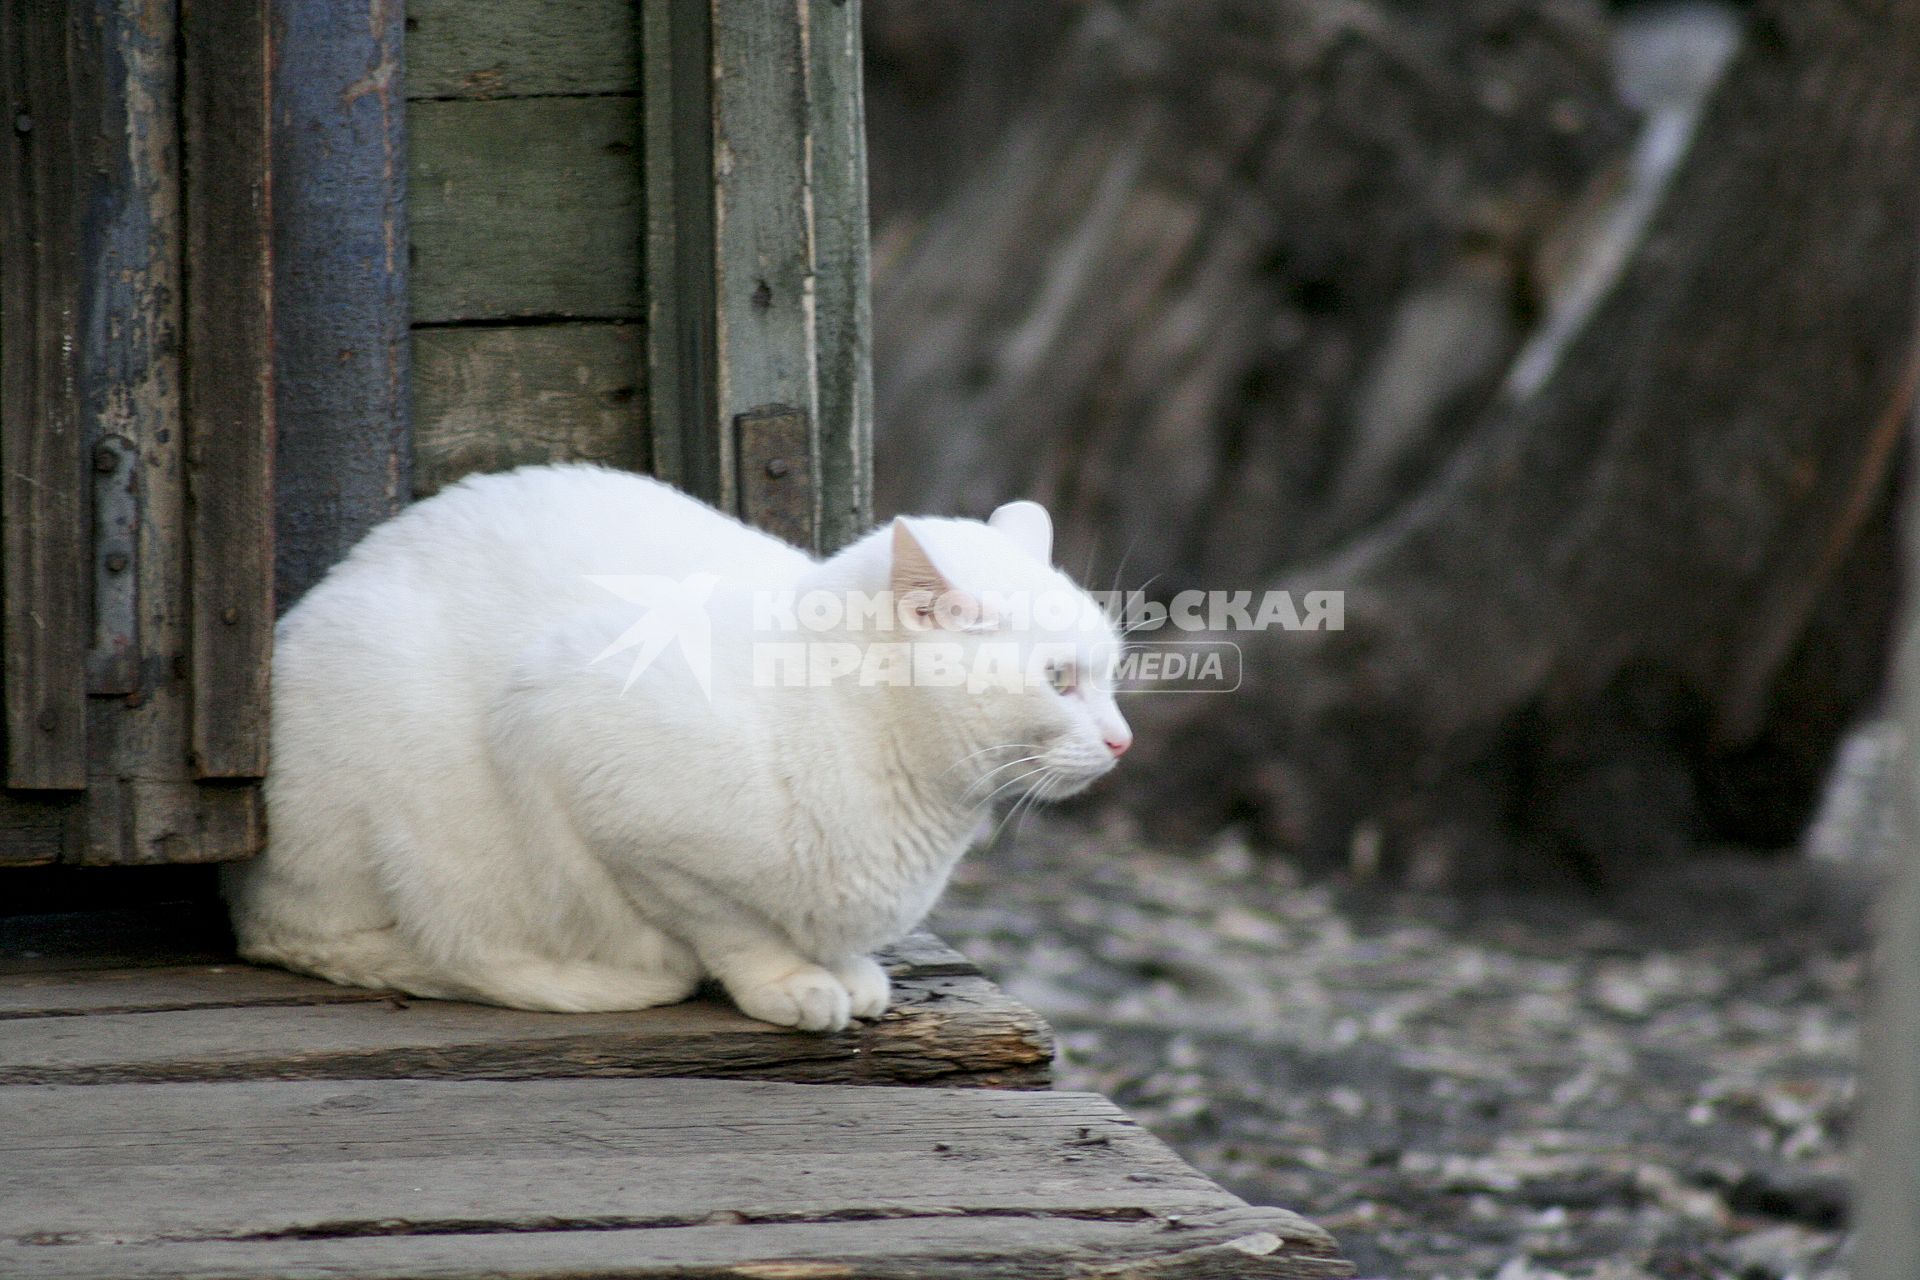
{"points": [[924, 595], [1028, 525]]}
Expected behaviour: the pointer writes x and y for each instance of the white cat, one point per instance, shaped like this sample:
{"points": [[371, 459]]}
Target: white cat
{"points": [[477, 793]]}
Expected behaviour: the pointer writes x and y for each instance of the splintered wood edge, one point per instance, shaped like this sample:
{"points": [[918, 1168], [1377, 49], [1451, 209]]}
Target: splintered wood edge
{"points": [[949, 1026], [1209, 1244]]}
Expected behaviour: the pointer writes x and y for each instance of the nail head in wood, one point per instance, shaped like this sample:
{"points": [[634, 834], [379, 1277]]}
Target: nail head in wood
{"points": [[774, 454]]}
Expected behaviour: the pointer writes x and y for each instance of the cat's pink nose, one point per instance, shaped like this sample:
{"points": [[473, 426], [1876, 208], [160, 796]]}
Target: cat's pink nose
{"points": [[1119, 745]]}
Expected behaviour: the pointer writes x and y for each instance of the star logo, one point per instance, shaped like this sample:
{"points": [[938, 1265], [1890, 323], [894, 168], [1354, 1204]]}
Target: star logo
{"points": [[675, 613]]}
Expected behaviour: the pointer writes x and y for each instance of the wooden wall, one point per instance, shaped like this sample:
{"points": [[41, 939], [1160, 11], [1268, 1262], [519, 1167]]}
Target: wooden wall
{"points": [[557, 145], [526, 213]]}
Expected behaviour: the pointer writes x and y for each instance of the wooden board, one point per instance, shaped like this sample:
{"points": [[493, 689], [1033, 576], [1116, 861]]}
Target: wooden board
{"points": [[632, 1178], [226, 1021], [100, 319], [520, 48], [763, 254], [492, 399], [36, 826], [227, 411], [340, 281], [843, 309], [51, 88], [526, 207], [677, 71]]}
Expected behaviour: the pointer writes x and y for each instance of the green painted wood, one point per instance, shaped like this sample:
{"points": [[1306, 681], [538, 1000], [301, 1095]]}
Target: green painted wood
{"points": [[757, 250], [843, 310], [521, 48], [676, 74], [492, 399], [764, 345], [525, 208]]}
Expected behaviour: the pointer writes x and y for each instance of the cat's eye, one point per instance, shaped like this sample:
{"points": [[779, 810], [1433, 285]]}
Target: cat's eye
{"points": [[1062, 677]]}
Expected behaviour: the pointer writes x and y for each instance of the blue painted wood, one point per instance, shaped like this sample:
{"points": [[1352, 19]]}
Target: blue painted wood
{"points": [[128, 330], [340, 279]]}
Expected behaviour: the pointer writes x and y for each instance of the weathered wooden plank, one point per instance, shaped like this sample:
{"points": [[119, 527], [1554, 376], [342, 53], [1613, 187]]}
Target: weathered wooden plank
{"points": [[521, 48], [368, 1123], [130, 360], [525, 208], [228, 984], [758, 300], [197, 934], [44, 569], [676, 69], [943, 1030], [843, 309], [228, 408], [220, 1022], [340, 281], [180, 822], [764, 350], [35, 827], [1265, 1243], [197, 968], [578, 1178], [142, 803], [488, 399]]}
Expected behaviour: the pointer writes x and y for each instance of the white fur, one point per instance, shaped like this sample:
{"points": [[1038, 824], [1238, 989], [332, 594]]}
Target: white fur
{"points": [[463, 803]]}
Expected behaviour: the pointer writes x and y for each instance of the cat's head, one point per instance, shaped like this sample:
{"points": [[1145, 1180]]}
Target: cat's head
{"points": [[1013, 662]]}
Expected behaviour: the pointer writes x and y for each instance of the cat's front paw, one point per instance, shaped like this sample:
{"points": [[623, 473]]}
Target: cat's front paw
{"points": [[809, 998], [867, 984]]}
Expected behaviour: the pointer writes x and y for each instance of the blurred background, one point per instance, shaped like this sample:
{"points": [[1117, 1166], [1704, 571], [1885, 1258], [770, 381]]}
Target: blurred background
{"points": [[1515, 929]]}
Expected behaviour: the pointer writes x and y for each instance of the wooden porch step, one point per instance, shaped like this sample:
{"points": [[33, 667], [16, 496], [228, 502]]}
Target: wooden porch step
{"points": [[641, 1178], [167, 1113], [182, 1012]]}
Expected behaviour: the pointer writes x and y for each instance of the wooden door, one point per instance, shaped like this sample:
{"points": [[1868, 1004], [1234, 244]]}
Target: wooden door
{"points": [[136, 430]]}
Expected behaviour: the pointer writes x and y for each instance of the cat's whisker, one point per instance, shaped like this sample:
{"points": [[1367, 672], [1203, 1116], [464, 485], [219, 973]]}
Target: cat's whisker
{"points": [[973, 755], [1121, 568], [1141, 589], [1003, 786], [1027, 802], [1044, 795], [983, 780]]}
